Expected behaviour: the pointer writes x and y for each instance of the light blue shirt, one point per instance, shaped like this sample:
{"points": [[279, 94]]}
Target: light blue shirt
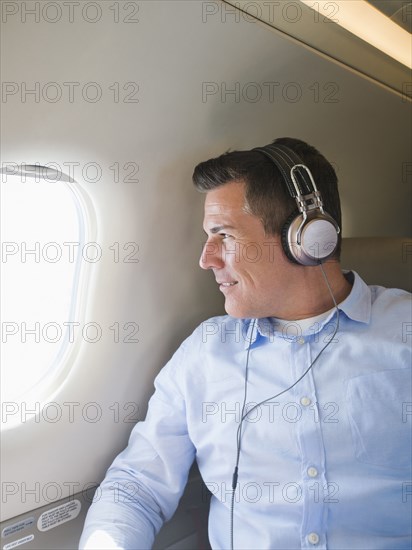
{"points": [[325, 465]]}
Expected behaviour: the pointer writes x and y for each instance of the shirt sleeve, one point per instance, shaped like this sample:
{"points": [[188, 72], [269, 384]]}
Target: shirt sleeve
{"points": [[143, 486]]}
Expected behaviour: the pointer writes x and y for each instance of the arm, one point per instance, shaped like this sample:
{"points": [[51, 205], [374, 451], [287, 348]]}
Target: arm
{"points": [[143, 486]]}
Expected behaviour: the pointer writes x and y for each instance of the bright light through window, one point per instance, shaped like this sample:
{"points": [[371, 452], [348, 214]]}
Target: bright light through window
{"points": [[42, 236]]}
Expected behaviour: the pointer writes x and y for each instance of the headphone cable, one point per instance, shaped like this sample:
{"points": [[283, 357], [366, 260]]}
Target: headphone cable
{"points": [[245, 414]]}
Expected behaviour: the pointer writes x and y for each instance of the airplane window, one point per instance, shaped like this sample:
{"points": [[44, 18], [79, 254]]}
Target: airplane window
{"points": [[43, 235]]}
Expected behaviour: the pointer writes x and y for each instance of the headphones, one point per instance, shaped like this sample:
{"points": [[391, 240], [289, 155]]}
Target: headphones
{"points": [[310, 236]]}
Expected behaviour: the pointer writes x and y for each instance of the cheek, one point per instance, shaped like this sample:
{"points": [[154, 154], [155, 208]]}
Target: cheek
{"points": [[254, 265], [253, 281]]}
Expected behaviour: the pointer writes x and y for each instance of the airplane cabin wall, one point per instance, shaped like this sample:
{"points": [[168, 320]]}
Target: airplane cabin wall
{"points": [[177, 86]]}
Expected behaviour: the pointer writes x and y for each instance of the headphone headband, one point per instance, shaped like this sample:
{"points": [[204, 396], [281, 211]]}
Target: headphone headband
{"points": [[285, 159]]}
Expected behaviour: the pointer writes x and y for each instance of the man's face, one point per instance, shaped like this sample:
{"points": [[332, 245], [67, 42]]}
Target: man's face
{"points": [[250, 267]]}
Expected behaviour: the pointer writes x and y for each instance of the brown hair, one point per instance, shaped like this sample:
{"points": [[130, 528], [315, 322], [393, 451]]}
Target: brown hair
{"points": [[267, 196]]}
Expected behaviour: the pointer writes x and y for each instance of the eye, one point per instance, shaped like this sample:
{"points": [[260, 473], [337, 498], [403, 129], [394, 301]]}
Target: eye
{"points": [[225, 236]]}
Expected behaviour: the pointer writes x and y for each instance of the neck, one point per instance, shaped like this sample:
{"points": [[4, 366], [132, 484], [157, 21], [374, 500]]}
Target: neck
{"points": [[313, 296]]}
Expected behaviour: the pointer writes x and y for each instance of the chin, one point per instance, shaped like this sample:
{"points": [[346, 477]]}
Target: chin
{"points": [[238, 312]]}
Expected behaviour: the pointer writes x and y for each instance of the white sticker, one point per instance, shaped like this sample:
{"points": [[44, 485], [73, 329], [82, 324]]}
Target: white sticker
{"points": [[16, 527], [19, 542], [56, 516]]}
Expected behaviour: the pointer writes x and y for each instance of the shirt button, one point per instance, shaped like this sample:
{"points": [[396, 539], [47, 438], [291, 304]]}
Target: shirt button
{"points": [[313, 538], [312, 472], [301, 340], [305, 401]]}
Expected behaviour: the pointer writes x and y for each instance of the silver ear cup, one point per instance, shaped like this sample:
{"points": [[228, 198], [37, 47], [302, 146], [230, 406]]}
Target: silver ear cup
{"points": [[315, 241], [310, 235]]}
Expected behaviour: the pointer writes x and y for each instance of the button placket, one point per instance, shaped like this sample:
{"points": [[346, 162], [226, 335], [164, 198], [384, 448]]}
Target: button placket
{"points": [[310, 440]]}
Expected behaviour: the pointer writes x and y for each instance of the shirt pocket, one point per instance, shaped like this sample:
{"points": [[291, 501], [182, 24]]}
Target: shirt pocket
{"points": [[380, 414]]}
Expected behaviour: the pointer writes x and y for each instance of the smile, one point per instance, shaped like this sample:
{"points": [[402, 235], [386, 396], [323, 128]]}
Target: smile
{"points": [[228, 284]]}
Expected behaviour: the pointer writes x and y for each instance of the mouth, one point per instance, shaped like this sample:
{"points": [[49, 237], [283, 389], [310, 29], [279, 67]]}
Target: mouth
{"points": [[226, 284]]}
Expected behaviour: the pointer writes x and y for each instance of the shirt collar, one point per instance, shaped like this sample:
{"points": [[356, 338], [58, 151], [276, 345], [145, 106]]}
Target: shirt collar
{"points": [[356, 306]]}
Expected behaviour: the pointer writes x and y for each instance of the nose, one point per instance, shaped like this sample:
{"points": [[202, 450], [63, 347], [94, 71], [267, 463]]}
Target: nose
{"points": [[211, 257]]}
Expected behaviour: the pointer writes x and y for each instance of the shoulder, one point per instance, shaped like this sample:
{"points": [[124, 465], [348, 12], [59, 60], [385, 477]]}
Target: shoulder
{"points": [[391, 303], [378, 324], [391, 321], [377, 305]]}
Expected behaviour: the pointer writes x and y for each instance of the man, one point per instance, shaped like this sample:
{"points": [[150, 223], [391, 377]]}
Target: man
{"points": [[296, 405]]}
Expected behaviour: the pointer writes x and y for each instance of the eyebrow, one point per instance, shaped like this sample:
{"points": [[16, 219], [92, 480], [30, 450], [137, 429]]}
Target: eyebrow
{"points": [[219, 228]]}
